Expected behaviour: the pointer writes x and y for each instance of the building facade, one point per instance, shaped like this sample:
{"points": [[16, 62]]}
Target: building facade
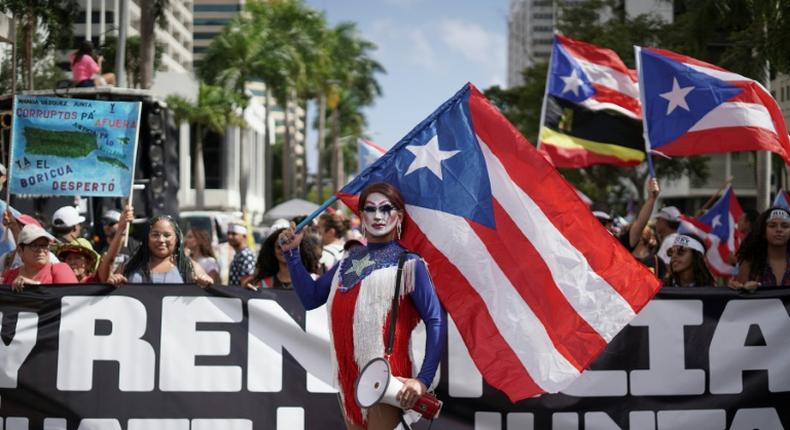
{"points": [[100, 18], [531, 26], [209, 18]]}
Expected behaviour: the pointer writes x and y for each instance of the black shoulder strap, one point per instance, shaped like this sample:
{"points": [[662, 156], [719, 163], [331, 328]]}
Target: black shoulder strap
{"points": [[395, 302]]}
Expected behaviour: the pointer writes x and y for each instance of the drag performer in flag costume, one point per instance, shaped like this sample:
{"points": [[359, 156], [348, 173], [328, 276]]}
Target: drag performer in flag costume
{"points": [[359, 293]]}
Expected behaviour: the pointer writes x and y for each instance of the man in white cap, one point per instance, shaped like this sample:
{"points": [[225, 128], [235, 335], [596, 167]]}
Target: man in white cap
{"points": [[243, 264], [66, 224], [667, 223], [109, 226], [605, 219]]}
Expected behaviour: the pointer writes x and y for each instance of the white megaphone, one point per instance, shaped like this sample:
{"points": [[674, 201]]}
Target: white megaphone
{"points": [[376, 384]]}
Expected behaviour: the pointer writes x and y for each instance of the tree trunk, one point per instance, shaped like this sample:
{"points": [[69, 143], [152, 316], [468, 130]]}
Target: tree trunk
{"points": [[29, 34], [303, 182], [287, 154], [199, 169], [336, 164], [147, 43], [244, 172], [319, 177], [268, 159]]}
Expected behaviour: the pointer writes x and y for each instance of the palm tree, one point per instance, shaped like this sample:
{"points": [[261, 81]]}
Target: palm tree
{"points": [[353, 80], [232, 60], [289, 32], [54, 18], [212, 112], [151, 12], [272, 41]]}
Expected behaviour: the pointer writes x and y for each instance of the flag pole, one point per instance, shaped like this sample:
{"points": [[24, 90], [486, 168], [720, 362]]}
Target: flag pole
{"points": [[645, 134], [716, 196], [315, 213], [546, 91], [134, 167]]}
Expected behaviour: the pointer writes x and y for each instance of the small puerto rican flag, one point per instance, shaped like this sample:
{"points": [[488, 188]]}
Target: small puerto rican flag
{"points": [[367, 153]]}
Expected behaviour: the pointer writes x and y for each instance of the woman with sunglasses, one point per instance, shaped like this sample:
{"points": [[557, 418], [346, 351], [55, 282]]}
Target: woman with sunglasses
{"points": [[359, 291], [34, 243], [687, 266], [160, 260]]}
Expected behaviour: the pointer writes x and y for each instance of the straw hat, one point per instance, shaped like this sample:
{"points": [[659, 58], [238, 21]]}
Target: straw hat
{"points": [[83, 247]]}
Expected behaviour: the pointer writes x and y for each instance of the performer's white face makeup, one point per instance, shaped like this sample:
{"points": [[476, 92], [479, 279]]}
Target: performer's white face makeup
{"points": [[380, 216]]}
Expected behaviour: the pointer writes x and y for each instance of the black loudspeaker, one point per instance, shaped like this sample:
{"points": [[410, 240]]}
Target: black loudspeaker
{"points": [[157, 165]]}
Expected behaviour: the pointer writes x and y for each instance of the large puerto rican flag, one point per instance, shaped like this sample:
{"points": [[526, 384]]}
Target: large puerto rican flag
{"points": [[536, 286], [718, 227], [692, 107]]}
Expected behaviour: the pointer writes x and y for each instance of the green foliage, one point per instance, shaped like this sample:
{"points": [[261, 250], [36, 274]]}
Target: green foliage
{"points": [[290, 47], [212, 111], [133, 65], [46, 73], [521, 105], [55, 17], [739, 35]]}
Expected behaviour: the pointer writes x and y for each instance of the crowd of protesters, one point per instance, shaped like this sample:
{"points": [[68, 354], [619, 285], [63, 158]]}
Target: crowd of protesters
{"points": [[169, 256], [678, 257]]}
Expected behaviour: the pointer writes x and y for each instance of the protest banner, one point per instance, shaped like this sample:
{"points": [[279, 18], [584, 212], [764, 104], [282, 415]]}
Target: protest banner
{"points": [[177, 357], [73, 147]]}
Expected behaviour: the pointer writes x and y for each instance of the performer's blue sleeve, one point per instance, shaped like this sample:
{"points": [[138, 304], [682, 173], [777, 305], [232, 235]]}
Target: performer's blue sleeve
{"points": [[430, 309], [312, 292]]}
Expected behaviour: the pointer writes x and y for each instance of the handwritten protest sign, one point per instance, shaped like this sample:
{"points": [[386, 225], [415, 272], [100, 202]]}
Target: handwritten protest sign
{"points": [[68, 147]]}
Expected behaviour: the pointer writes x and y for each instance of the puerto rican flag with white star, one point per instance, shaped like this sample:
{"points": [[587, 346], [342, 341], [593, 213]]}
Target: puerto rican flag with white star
{"points": [[718, 227], [534, 283], [692, 107], [367, 153], [593, 77]]}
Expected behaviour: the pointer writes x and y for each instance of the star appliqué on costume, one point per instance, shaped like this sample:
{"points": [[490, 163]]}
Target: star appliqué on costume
{"points": [[429, 156], [676, 97], [358, 266], [572, 83]]}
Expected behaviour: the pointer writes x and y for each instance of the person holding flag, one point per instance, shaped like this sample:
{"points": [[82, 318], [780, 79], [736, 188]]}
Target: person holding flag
{"points": [[360, 299]]}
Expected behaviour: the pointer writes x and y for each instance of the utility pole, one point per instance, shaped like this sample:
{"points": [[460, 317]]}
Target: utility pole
{"points": [[120, 54], [764, 162]]}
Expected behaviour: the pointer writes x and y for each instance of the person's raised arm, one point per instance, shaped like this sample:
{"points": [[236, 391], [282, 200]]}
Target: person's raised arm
{"points": [[635, 231], [105, 266], [312, 292], [12, 224]]}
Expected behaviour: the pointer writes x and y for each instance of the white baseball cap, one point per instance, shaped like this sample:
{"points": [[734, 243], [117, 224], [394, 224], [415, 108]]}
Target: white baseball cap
{"points": [[669, 213], [31, 232], [603, 216], [111, 215], [67, 216]]}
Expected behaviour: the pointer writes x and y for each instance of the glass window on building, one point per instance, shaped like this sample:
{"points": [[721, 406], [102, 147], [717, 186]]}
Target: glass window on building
{"points": [[217, 7], [210, 21], [212, 159]]}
